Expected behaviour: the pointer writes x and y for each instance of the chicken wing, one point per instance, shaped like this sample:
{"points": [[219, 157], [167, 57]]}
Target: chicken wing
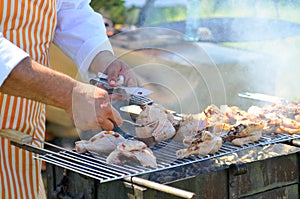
{"points": [[103, 142], [189, 126], [207, 144], [132, 150], [162, 130], [242, 134]]}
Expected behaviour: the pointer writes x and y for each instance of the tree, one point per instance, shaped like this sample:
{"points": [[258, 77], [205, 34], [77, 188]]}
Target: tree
{"points": [[114, 10]]}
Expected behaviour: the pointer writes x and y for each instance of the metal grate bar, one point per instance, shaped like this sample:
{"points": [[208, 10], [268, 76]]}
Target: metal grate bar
{"points": [[95, 166], [100, 166], [79, 168]]}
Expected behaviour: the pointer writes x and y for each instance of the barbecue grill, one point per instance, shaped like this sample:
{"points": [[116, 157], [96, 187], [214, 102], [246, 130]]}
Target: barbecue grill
{"points": [[230, 171], [251, 171], [95, 166], [73, 175]]}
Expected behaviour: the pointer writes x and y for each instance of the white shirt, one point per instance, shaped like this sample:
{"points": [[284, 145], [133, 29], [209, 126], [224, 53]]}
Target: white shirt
{"points": [[80, 33]]}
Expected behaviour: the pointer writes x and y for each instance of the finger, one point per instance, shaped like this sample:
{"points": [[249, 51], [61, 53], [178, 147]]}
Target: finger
{"points": [[116, 117], [132, 82], [113, 74], [130, 78], [107, 125]]}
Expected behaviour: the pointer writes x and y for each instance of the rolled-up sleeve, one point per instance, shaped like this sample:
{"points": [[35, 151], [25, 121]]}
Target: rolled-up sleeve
{"points": [[80, 32], [11, 55]]}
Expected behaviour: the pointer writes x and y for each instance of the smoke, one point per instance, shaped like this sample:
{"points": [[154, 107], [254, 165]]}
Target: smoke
{"points": [[181, 75], [266, 33], [252, 52]]}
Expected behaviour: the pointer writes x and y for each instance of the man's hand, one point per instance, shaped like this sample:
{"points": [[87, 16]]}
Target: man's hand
{"points": [[87, 105], [113, 67], [92, 110]]}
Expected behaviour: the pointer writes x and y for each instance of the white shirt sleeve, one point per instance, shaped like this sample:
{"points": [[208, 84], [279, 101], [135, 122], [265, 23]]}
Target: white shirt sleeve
{"points": [[11, 55], [80, 32]]}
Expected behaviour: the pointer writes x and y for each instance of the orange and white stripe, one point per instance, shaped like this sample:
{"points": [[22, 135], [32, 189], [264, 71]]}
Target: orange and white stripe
{"points": [[30, 25]]}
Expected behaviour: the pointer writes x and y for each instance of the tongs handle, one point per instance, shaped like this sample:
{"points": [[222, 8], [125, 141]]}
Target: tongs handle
{"points": [[16, 136], [102, 78], [261, 97]]}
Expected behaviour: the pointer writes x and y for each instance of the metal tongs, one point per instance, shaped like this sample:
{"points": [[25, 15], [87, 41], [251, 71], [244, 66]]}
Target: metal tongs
{"points": [[136, 95], [140, 125], [261, 97]]}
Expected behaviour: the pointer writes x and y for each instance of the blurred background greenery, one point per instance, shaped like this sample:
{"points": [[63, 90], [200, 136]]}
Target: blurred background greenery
{"points": [[160, 13], [153, 12]]}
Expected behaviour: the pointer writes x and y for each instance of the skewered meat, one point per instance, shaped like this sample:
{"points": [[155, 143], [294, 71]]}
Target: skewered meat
{"points": [[242, 134], [190, 125], [162, 130], [207, 144], [103, 142], [130, 150]]}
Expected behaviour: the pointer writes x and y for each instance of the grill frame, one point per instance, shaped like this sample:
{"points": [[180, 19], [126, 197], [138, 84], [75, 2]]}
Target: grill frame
{"points": [[95, 166]]}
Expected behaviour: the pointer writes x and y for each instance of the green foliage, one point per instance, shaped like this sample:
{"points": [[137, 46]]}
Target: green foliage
{"points": [[114, 10]]}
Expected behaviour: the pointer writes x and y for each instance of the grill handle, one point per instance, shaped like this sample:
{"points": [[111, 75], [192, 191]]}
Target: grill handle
{"points": [[296, 142], [160, 187], [16, 136]]}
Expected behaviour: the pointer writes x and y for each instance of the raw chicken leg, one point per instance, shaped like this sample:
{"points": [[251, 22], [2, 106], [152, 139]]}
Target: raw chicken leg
{"points": [[103, 142]]}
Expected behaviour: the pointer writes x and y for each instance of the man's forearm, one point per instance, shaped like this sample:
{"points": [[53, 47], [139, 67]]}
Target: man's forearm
{"points": [[34, 81]]}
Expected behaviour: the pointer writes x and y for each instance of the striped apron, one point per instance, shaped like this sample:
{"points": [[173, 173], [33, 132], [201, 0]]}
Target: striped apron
{"points": [[30, 25]]}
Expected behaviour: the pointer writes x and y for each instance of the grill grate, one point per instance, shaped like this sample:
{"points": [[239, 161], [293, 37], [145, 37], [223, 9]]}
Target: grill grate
{"points": [[95, 166]]}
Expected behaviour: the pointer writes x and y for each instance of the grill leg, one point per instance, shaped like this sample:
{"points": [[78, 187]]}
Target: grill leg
{"points": [[50, 180]]}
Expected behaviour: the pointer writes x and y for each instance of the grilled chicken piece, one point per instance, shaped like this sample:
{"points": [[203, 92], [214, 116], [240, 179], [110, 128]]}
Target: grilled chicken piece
{"points": [[247, 140], [242, 134], [219, 129], [289, 126], [162, 130], [234, 114], [207, 144], [132, 150], [278, 118], [256, 112], [189, 126], [103, 142], [297, 118], [214, 115], [270, 119]]}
